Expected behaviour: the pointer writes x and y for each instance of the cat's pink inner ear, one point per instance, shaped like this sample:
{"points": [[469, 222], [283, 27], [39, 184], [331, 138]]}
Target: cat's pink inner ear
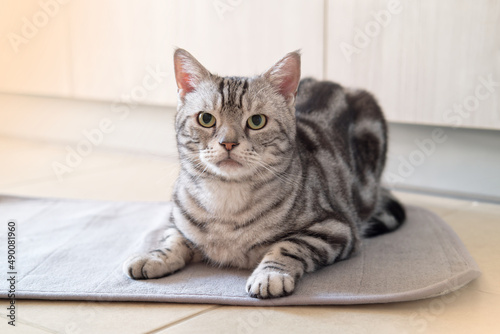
{"points": [[183, 78], [285, 75], [188, 71], [183, 81]]}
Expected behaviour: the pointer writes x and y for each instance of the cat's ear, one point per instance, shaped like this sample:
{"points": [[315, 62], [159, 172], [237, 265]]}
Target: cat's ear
{"points": [[285, 75], [188, 72]]}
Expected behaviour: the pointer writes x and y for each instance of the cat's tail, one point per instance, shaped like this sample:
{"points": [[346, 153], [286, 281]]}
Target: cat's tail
{"points": [[388, 217]]}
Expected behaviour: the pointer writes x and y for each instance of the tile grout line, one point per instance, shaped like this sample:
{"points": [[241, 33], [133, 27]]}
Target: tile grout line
{"points": [[457, 209], [189, 317], [494, 293], [472, 197], [33, 325]]}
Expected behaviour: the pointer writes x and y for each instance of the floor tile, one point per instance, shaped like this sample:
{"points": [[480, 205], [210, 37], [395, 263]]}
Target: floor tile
{"points": [[485, 207], [128, 179], [442, 206], [103, 317], [21, 327], [478, 227], [129, 127], [465, 311], [26, 161]]}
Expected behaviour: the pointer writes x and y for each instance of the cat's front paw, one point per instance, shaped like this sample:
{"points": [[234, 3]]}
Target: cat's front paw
{"points": [[270, 284], [154, 264]]}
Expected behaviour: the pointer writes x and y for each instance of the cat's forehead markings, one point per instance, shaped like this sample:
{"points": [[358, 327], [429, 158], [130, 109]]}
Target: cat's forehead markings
{"points": [[232, 90]]}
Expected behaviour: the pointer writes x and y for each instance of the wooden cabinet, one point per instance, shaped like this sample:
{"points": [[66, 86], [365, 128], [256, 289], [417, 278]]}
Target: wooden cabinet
{"points": [[427, 61], [122, 50], [34, 54], [108, 50], [243, 37]]}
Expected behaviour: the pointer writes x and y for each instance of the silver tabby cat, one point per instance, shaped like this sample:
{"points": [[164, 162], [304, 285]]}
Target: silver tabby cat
{"points": [[277, 175]]}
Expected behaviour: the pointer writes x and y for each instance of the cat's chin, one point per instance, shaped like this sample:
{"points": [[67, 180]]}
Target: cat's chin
{"points": [[232, 169]]}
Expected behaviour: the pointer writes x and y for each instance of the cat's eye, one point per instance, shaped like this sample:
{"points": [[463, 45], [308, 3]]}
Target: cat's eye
{"points": [[256, 122], [206, 120]]}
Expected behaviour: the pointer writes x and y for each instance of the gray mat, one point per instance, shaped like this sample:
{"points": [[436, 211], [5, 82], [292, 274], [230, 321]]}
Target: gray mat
{"points": [[74, 250]]}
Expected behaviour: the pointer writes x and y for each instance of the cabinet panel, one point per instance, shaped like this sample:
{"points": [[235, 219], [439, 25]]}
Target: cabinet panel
{"points": [[232, 37], [122, 51], [34, 48], [114, 46], [431, 62]]}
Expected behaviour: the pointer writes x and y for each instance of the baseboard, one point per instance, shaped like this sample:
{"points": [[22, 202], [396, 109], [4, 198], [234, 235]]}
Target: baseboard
{"points": [[445, 161]]}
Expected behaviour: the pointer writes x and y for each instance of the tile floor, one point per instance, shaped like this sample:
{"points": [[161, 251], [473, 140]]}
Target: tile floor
{"points": [[145, 170]]}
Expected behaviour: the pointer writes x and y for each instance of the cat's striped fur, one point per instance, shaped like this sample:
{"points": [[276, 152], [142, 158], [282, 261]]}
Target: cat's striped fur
{"points": [[287, 199]]}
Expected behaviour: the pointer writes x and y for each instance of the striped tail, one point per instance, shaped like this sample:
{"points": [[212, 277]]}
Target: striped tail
{"points": [[388, 217]]}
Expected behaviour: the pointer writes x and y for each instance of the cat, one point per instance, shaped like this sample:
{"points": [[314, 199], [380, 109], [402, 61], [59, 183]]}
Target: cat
{"points": [[278, 176]]}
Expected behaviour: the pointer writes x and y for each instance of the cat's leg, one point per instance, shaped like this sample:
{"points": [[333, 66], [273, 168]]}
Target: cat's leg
{"points": [[287, 260], [173, 255]]}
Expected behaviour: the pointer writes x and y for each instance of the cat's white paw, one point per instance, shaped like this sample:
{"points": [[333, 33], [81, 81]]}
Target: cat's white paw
{"points": [[154, 264], [270, 284]]}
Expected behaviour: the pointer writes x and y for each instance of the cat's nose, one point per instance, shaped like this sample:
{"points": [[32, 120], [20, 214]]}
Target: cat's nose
{"points": [[229, 146]]}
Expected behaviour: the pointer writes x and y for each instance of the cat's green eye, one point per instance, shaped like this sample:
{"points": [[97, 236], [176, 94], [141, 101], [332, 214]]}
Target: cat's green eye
{"points": [[256, 122], [206, 120]]}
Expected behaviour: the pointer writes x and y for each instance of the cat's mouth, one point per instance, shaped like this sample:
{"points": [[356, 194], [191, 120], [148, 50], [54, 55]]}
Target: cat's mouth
{"points": [[228, 162]]}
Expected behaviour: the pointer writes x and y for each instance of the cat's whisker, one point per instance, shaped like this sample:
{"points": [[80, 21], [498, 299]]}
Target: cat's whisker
{"points": [[199, 176], [280, 175]]}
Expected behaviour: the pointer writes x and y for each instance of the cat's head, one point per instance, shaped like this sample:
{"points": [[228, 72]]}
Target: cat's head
{"points": [[236, 127]]}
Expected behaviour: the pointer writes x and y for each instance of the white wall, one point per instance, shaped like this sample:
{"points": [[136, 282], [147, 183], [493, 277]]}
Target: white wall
{"points": [[427, 57]]}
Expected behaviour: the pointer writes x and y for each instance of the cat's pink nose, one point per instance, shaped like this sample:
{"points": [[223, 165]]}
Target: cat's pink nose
{"points": [[229, 146]]}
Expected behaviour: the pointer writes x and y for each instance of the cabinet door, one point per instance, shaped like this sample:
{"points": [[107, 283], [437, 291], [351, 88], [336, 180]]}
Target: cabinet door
{"points": [[115, 50], [238, 37], [122, 51], [34, 48], [430, 62], [114, 44]]}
